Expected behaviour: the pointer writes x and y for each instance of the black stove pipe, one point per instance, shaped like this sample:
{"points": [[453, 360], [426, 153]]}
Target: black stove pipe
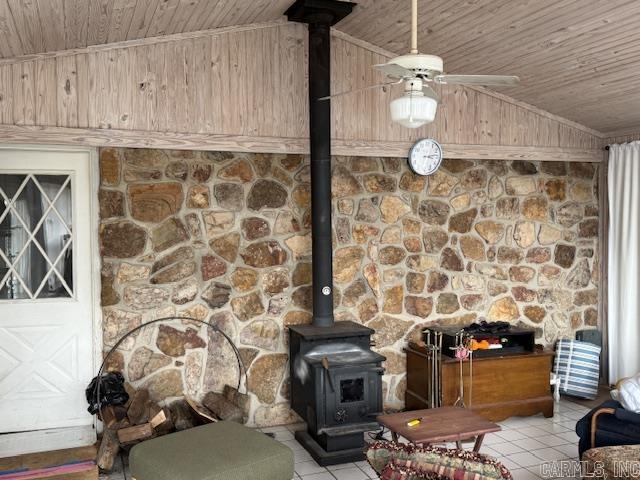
{"points": [[320, 15], [320, 147]]}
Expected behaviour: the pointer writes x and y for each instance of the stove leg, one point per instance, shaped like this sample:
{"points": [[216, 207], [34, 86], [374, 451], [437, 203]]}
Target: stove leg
{"points": [[478, 444], [459, 445], [394, 437]]}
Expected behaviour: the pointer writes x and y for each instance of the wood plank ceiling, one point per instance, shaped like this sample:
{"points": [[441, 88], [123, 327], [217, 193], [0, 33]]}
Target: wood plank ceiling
{"points": [[576, 58]]}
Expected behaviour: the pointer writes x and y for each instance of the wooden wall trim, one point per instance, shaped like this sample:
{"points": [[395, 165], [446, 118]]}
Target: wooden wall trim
{"points": [[603, 254], [96, 137], [470, 152], [505, 98], [104, 137]]}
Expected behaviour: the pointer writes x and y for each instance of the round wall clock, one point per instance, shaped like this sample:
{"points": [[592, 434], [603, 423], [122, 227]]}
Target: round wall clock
{"points": [[425, 156]]}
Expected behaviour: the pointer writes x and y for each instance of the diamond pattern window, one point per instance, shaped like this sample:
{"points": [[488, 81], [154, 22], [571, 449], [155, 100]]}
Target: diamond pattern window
{"points": [[36, 238]]}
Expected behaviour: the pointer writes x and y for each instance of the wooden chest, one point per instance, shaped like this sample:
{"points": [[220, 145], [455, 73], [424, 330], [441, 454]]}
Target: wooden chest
{"points": [[503, 386]]}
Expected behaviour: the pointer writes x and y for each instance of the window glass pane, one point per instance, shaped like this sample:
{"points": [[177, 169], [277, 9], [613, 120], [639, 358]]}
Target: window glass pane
{"points": [[47, 233], [4, 205], [13, 237], [66, 272], [53, 235], [12, 290], [32, 268], [52, 185], [63, 206], [9, 184], [30, 205], [54, 287], [4, 270]]}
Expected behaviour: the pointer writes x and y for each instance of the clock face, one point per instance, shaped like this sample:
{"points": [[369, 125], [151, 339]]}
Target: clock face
{"points": [[425, 156]]}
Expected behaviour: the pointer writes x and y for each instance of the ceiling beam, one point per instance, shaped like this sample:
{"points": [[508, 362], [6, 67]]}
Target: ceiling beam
{"points": [[97, 137]]}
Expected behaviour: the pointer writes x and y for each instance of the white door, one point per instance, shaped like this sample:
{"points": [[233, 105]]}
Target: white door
{"points": [[46, 298]]}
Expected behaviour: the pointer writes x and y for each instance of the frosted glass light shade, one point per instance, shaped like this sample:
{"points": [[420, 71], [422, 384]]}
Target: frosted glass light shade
{"points": [[413, 110]]}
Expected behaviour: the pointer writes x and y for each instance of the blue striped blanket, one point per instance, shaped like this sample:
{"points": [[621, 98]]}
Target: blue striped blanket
{"points": [[578, 368]]}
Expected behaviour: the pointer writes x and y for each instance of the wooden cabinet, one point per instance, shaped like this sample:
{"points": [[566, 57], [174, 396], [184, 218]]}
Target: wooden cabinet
{"points": [[503, 386]]}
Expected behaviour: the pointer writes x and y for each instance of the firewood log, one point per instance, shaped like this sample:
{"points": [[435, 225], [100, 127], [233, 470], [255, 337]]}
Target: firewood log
{"points": [[223, 408], [158, 419], [181, 415], [166, 426], [131, 391], [206, 415], [108, 450], [114, 417], [135, 433], [138, 411], [241, 400]]}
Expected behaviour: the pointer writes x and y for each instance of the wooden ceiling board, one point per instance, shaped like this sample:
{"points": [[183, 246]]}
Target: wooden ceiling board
{"points": [[120, 21], [97, 22], [575, 58], [10, 44], [37, 26], [76, 23], [141, 19]]}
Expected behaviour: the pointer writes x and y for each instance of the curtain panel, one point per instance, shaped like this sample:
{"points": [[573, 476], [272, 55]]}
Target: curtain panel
{"points": [[624, 260]]}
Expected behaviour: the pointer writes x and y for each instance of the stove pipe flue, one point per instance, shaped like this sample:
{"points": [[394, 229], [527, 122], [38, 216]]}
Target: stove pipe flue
{"points": [[320, 15]]}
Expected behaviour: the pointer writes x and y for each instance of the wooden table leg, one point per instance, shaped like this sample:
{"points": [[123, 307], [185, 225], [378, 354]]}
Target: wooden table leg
{"points": [[478, 444]]}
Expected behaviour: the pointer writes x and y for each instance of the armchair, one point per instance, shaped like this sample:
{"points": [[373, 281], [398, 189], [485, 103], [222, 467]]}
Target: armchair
{"points": [[608, 425]]}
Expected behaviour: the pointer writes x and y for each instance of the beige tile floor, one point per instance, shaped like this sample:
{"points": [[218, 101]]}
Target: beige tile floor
{"points": [[524, 445]]}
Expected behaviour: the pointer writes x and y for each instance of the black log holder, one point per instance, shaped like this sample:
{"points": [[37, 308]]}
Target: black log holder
{"points": [[97, 381]]}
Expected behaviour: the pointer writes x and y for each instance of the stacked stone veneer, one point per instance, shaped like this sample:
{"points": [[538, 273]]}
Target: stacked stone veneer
{"points": [[225, 237]]}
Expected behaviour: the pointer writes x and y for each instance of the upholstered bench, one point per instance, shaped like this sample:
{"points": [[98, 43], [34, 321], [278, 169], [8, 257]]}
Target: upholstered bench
{"points": [[217, 451]]}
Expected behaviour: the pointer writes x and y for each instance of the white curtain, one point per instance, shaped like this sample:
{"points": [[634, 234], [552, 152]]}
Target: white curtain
{"points": [[624, 260]]}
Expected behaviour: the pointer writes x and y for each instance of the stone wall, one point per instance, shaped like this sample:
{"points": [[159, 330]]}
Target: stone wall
{"points": [[225, 237]]}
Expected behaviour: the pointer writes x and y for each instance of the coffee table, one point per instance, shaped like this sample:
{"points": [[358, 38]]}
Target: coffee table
{"points": [[444, 424]]}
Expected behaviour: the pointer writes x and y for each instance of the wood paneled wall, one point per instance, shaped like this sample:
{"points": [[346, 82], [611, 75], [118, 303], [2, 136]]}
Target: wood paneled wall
{"points": [[245, 82], [251, 82], [622, 138]]}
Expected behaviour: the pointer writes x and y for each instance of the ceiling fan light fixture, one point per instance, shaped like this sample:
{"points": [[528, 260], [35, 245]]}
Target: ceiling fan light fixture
{"points": [[413, 110]]}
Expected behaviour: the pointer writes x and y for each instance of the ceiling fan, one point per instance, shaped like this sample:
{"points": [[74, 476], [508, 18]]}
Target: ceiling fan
{"points": [[418, 105]]}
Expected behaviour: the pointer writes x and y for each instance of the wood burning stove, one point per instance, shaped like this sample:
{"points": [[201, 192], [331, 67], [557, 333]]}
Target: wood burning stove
{"points": [[336, 383], [336, 386]]}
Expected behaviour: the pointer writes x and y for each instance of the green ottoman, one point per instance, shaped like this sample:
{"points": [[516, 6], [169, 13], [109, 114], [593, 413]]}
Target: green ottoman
{"points": [[217, 451]]}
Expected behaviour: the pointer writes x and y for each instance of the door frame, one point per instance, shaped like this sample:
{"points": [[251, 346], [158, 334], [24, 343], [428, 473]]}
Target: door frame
{"points": [[58, 438]]}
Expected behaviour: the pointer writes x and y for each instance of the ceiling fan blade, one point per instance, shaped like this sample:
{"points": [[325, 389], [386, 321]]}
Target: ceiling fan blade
{"points": [[497, 80], [393, 70], [355, 90], [429, 92]]}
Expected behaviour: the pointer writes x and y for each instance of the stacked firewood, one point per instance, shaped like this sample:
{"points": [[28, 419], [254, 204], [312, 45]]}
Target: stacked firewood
{"points": [[141, 418]]}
